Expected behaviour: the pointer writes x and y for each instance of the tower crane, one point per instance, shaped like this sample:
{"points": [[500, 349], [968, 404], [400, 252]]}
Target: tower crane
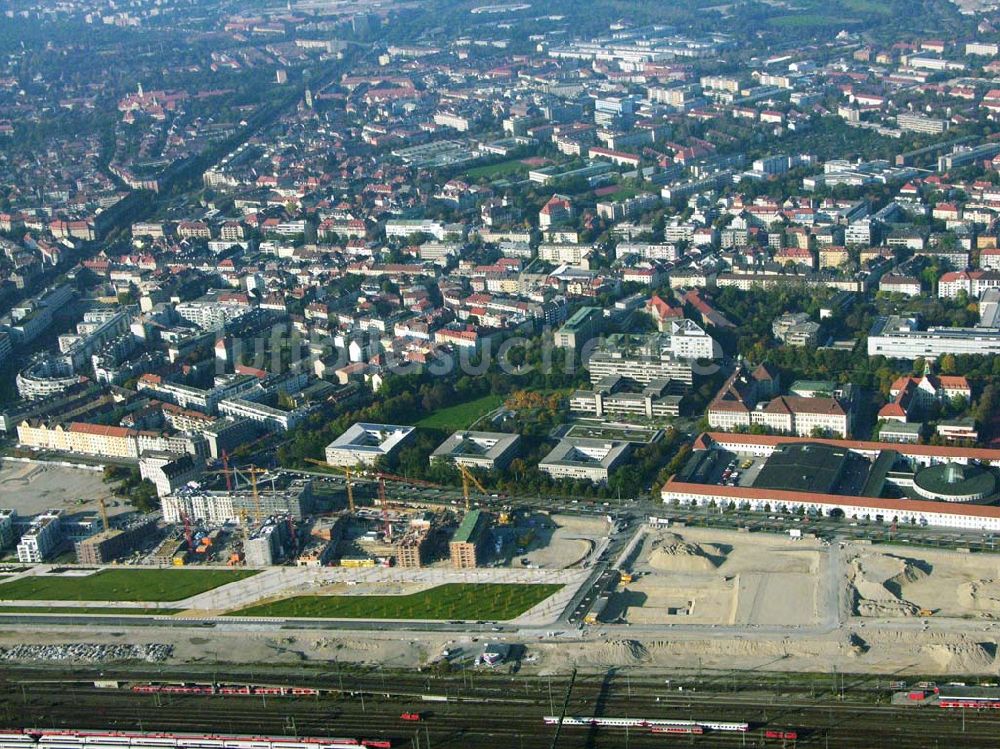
{"points": [[467, 477], [347, 475]]}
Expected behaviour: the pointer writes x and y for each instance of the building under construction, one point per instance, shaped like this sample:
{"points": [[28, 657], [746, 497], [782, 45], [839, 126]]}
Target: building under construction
{"points": [[320, 546], [294, 497], [115, 543], [467, 545], [271, 542], [415, 546]]}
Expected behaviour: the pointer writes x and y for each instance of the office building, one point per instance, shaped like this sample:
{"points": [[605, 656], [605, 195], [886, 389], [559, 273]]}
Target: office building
{"points": [[900, 338], [486, 450], [585, 324], [365, 444], [581, 458]]}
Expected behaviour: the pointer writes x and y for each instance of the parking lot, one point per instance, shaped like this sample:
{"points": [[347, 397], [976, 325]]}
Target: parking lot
{"points": [[32, 488]]}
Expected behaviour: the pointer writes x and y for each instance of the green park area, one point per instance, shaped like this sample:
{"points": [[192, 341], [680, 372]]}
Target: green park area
{"points": [[120, 585], [467, 601], [461, 416], [495, 171]]}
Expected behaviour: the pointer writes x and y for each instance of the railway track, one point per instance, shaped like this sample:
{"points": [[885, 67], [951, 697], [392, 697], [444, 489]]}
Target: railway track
{"points": [[497, 714]]}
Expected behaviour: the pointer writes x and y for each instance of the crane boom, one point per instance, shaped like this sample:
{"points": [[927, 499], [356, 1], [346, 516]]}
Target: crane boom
{"points": [[347, 474], [104, 514], [467, 477]]}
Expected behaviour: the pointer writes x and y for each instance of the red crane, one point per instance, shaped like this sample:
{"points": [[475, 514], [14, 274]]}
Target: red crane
{"points": [[387, 526], [225, 470], [188, 532]]}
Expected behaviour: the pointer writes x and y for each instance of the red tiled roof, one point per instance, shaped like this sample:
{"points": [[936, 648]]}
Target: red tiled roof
{"points": [[82, 427], [737, 493], [771, 440]]}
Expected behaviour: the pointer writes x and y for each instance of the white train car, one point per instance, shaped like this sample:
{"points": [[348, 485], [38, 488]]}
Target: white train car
{"points": [[15, 739], [57, 739], [684, 725]]}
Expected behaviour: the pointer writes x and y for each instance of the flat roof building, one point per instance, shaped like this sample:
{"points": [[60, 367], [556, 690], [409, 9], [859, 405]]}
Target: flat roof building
{"points": [[584, 324], [584, 458], [488, 450], [365, 443]]}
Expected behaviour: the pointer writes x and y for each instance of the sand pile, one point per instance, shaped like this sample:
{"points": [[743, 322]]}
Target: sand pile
{"points": [[982, 596], [670, 553], [619, 653], [965, 657], [878, 581]]}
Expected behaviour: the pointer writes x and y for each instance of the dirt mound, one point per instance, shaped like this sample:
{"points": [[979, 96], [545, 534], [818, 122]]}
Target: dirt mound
{"points": [[620, 653], [981, 595], [670, 553], [886, 608], [970, 657], [878, 581]]}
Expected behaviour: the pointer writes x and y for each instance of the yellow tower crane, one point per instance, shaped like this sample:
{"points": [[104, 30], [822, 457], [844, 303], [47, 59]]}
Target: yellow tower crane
{"points": [[466, 478], [104, 514], [347, 475]]}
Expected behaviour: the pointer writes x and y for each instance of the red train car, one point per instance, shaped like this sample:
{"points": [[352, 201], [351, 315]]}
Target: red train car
{"points": [[781, 733]]}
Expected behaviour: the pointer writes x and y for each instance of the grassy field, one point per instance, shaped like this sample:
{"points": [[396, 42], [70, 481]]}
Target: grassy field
{"points": [[120, 585], [868, 6], [495, 171], [88, 610], [467, 601], [462, 415], [809, 20]]}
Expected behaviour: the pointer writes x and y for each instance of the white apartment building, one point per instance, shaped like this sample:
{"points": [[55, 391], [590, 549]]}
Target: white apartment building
{"points": [[43, 537], [271, 419], [564, 254], [690, 341]]}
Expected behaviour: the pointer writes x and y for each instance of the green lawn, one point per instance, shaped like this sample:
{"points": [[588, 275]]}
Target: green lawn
{"points": [[120, 585], [868, 6], [88, 610], [461, 416], [500, 169], [809, 20], [467, 601]]}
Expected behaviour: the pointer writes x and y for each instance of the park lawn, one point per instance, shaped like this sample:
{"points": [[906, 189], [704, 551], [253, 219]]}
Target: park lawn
{"points": [[809, 20], [466, 601], [89, 610], [868, 6], [120, 585], [461, 416], [500, 169]]}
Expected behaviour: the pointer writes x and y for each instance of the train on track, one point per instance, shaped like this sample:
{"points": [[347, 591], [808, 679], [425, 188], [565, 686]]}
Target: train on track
{"points": [[962, 697], [231, 690], [31, 738], [654, 724]]}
